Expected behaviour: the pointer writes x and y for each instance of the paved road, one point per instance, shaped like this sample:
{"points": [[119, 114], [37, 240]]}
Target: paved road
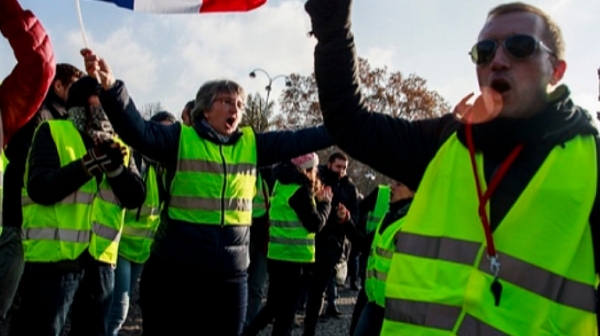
{"points": [[326, 326]]}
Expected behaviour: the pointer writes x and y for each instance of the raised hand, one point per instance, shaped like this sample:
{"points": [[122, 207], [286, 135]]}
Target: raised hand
{"points": [[330, 18], [99, 68]]}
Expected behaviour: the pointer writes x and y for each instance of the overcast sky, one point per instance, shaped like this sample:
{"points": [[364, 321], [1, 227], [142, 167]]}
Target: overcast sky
{"points": [[166, 58]]}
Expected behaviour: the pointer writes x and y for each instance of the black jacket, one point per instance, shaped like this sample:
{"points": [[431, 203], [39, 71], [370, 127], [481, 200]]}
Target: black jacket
{"points": [[402, 149], [16, 153], [344, 191], [218, 250], [312, 214]]}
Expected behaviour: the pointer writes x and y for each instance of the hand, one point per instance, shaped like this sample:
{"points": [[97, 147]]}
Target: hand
{"points": [[485, 107], [324, 195], [342, 213], [99, 68], [330, 18], [106, 157]]}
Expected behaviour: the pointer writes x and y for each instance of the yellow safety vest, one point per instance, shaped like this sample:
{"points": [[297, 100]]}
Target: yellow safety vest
{"points": [[259, 202], [214, 183], [288, 238], [380, 260], [90, 218], [440, 279], [141, 224], [382, 204]]}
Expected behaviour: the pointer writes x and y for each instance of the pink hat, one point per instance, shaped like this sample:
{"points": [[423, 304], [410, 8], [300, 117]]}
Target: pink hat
{"points": [[306, 161]]}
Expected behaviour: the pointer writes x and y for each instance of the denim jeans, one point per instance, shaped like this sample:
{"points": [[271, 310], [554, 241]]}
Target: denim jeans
{"points": [[11, 268], [50, 290], [126, 279], [370, 321], [257, 279], [178, 299]]}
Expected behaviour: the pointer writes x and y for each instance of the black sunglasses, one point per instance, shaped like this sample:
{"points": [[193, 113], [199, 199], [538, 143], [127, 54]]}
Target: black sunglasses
{"points": [[518, 46]]}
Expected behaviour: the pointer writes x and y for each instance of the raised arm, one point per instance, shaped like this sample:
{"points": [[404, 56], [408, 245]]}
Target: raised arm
{"points": [[156, 141], [395, 147], [24, 89]]}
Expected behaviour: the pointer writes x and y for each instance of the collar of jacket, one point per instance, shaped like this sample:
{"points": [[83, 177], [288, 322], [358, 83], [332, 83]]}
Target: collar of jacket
{"points": [[206, 132], [560, 121]]}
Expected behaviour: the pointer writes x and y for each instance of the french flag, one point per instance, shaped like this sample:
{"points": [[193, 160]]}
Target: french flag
{"points": [[188, 6]]}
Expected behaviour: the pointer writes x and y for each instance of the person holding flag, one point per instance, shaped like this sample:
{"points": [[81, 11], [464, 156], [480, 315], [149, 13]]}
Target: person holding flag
{"points": [[195, 281]]}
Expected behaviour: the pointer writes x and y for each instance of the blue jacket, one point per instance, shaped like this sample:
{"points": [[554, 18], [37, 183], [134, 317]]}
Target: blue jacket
{"points": [[218, 250]]}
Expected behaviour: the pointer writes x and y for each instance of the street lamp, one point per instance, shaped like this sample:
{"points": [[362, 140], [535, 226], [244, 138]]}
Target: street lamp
{"points": [[370, 176], [269, 86]]}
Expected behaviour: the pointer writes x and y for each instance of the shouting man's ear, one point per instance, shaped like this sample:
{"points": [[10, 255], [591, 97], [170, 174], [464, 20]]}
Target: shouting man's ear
{"points": [[559, 71]]}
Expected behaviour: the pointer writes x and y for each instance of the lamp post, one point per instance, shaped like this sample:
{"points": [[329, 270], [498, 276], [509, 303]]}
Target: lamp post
{"points": [[269, 86], [370, 176]]}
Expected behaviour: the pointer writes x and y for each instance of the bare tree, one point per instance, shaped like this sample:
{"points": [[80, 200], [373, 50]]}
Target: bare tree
{"points": [[257, 114], [384, 92], [150, 109]]}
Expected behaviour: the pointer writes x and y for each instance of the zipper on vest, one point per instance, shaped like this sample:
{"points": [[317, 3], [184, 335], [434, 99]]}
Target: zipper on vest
{"points": [[224, 185]]}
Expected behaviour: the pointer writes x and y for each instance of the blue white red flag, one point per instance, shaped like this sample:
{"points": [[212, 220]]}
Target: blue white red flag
{"points": [[188, 6]]}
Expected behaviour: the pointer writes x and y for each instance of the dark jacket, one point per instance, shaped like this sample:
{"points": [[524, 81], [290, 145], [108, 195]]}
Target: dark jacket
{"points": [[16, 153], [312, 213], [49, 183], [344, 191], [218, 250], [402, 149]]}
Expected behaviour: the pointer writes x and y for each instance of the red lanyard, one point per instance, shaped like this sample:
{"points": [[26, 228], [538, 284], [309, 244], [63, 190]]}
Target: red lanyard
{"points": [[485, 197]]}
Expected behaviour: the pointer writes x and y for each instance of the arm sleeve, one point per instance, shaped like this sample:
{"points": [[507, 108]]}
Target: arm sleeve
{"points": [[129, 186], [48, 182], [277, 146], [395, 147], [154, 140], [313, 216], [24, 89]]}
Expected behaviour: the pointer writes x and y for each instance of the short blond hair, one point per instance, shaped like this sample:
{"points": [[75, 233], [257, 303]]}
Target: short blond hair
{"points": [[553, 33]]}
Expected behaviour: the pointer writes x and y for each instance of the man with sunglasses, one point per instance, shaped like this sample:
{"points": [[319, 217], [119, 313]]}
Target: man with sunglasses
{"points": [[500, 236]]}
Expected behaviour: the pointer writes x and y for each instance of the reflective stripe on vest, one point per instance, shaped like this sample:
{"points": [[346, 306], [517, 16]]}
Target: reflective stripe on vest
{"points": [[382, 204], [379, 262], [90, 218], [214, 184], [138, 232], [288, 238], [439, 281], [259, 202]]}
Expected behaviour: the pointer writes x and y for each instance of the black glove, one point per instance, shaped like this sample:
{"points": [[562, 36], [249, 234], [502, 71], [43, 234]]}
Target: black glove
{"points": [[330, 18], [104, 158]]}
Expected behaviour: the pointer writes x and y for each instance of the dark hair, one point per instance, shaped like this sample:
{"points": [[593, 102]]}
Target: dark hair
{"points": [[161, 116], [81, 90], [337, 156], [555, 39], [190, 105], [65, 73]]}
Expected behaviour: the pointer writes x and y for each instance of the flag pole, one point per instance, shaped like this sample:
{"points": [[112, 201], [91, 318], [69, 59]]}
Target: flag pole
{"points": [[85, 40]]}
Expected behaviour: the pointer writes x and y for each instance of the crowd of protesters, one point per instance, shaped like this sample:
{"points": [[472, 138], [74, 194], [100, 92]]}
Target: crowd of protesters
{"points": [[228, 230]]}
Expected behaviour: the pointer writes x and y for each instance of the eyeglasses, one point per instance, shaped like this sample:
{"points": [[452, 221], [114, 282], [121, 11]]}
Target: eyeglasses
{"points": [[517, 46], [230, 103]]}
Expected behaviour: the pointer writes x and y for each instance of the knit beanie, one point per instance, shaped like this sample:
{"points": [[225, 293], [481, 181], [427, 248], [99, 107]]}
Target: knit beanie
{"points": [[81, 90], [306, 161]]}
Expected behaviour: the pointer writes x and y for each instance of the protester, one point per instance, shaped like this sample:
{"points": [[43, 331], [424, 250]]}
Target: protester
{"points": [[137, 236], [80, 178], [199, 261], [21, 94], [185, 113], [300, 208], [464, 265], [381, 242], [331, 240], [11, 250]]}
